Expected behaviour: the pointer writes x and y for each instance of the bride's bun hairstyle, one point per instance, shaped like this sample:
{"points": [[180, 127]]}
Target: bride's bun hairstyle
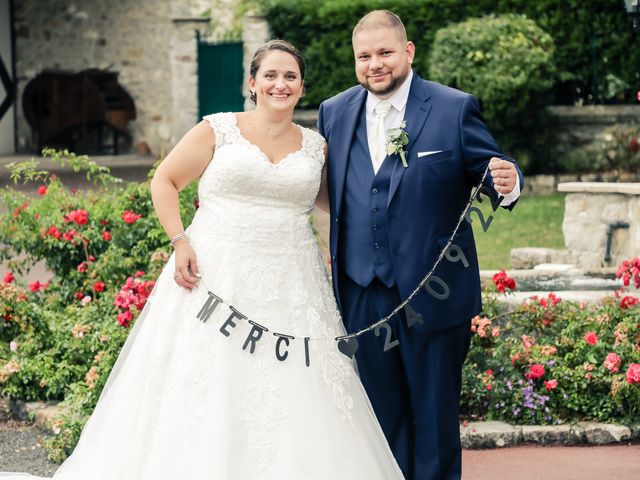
{"points": [[271, 45]]}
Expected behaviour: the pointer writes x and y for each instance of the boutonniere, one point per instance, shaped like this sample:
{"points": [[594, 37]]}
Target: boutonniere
{"points": [[397, 138]]}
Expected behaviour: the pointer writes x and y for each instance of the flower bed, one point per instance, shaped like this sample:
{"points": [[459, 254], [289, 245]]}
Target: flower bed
{"points": [[552, 362], [546, 362]]}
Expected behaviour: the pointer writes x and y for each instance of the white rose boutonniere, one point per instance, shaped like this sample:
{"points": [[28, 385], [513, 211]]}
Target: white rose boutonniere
{"points": [[397, 138]]}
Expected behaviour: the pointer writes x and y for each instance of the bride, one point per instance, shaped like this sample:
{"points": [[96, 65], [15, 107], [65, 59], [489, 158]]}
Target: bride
{"points": [[254, 388]]}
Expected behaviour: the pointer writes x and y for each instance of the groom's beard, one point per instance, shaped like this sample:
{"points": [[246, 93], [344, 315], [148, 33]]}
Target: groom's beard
{"points": [[393, 85]]}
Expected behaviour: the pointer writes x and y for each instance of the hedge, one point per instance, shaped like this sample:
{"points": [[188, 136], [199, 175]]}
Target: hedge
{"points": [[597, 51]]}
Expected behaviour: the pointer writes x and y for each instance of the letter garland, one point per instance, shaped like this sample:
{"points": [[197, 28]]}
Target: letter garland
{"points": [[348, 344]]}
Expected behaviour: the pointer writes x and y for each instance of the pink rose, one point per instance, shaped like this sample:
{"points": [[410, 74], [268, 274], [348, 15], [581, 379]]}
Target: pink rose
{"points": [[633, 373], [124, 318], [612, 362], [550, 384]]}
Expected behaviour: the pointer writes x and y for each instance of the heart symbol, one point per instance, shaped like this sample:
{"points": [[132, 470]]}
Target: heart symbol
{"points": [[348, 346]]}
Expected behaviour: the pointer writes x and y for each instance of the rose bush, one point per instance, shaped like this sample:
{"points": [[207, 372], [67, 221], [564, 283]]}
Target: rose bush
{"points": [[554, 361], [59, 339]]}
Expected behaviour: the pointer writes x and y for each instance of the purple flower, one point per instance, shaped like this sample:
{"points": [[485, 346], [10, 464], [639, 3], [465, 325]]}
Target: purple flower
{"points": [[550, 363], [516, 412], [509, 384]]}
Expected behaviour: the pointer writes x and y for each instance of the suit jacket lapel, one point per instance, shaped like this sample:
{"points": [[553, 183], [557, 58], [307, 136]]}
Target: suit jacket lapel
{"points": [[345, 129], [418, 109]]}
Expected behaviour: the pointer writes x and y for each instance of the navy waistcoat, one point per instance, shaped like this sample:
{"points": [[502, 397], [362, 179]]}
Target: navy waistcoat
{"points": [[366, 253]]}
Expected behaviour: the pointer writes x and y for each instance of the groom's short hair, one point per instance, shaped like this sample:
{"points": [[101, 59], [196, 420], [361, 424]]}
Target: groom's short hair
{"points": [[381, 19]]}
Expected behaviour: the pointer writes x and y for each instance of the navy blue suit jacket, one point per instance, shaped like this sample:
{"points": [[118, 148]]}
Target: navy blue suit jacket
{"points": [[425, 199]]}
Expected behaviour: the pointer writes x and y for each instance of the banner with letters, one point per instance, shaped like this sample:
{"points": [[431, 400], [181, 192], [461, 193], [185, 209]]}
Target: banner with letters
{"points": [[348, 344]]}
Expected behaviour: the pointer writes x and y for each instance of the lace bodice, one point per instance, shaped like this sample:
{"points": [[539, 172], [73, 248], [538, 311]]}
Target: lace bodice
{"points": [[241, 171]]}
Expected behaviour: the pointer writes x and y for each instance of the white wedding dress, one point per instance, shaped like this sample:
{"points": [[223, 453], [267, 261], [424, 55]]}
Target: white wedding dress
{"points": [[186, 402]]}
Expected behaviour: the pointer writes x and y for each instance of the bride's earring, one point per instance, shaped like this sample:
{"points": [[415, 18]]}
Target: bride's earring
{"points": [[253, 97]]}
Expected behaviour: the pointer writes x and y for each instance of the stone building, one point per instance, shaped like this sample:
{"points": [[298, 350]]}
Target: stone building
{"points": [[151, 44]]}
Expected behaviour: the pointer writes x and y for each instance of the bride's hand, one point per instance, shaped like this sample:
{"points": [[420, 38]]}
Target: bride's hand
{"points": [[186, 274]]}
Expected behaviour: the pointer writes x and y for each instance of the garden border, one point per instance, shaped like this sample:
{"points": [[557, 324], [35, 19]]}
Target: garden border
{"points": [[474, 435]]}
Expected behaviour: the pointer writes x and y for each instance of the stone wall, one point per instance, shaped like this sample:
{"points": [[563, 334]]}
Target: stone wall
{"points": [[150, 42], [255, 33], [579, 127], [590, 208]]}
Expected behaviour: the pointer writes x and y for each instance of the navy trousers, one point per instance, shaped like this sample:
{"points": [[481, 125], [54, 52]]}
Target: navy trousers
{"points": [[414, 387]]}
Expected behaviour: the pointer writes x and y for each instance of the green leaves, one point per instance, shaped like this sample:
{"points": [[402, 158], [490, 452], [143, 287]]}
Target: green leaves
{"points": [[507, 62]]}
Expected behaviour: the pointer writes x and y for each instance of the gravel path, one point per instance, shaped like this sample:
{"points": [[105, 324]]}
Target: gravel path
{"points": [[20, 447]]}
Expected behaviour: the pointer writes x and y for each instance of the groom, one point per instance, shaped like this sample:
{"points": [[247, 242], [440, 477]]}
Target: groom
{"points": [[389, 223]]}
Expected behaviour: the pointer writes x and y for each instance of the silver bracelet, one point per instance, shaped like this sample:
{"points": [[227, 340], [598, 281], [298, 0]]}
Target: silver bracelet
{"points": [[178, 237]]}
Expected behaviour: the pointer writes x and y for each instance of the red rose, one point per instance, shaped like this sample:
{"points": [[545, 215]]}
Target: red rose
{"points": [[9, 278], [106, 236], [535, 372], [77, 216], [99, 286], [633, 145], [591, 338], [70, 235], [83, 267], [42, 190], [129, 216], [37, 286], [503, 282], [79, 295], [628, 301], [54, 232], [138, 274]]}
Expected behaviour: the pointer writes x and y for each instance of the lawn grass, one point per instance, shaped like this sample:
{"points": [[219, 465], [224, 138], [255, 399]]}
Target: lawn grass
{"points": [[534, 222]]}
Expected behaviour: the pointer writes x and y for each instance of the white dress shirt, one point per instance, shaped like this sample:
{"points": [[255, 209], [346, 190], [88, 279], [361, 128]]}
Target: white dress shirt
{"points": [[398, 103]]}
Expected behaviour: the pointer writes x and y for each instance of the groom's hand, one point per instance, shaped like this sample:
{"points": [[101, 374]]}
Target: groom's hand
{"points": [[503, 174]]}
